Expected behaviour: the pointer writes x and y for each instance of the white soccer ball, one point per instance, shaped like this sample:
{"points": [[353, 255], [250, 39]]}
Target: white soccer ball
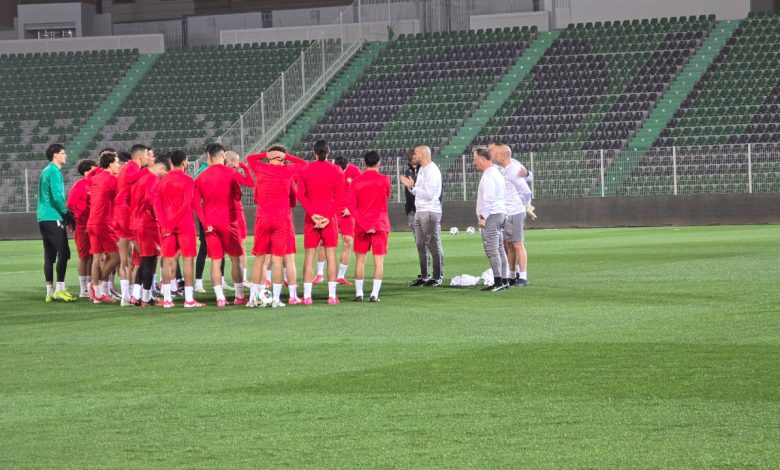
{"points": [[470, 230], [263, 298], [454, 231]]}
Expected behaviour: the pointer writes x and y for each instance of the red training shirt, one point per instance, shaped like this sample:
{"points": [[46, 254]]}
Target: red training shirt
{"points": [[368, 198], [175, 203], [218, 187], [78, 202], [102, 191], [128, 175], [321, 189], [273, 185], [137, 198]]}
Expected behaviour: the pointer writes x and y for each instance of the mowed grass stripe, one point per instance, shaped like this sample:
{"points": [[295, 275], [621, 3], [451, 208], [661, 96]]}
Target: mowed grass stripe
{"points": [[632, 348]]}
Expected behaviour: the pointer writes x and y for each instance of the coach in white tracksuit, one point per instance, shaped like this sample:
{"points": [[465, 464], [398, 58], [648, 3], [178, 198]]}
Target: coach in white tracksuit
{"points": [[491, 214]]}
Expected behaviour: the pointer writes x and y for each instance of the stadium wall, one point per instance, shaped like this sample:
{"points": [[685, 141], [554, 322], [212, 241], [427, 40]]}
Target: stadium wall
{"points": [[583, 11], [732, 209], [540, 19], [145, 43]]}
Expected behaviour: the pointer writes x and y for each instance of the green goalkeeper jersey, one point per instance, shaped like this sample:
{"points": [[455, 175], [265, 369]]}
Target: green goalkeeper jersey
{"points": [[51, 194]]}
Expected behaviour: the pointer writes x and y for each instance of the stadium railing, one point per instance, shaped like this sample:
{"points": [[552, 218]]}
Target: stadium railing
{"points": [[283, 100], [674, 171]]}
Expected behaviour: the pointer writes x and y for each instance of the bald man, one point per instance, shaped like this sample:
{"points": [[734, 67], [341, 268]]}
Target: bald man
{"points": [[517, 196], [427, 220]]}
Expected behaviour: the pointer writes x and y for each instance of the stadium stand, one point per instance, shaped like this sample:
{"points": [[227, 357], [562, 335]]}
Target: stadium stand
{"points": [[343, 80], [46, 98], [190, 96], [420, 90], [591, 90], [734, 103]]}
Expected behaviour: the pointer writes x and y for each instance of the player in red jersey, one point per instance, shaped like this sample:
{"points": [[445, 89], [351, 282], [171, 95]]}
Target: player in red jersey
{"points": [[273, 219], [128, 175], [233, 161], [367, 202], [78, 203], [218, 187], [321, 192], [174, 207], [147, 229], [346, 221], [102, 238]]}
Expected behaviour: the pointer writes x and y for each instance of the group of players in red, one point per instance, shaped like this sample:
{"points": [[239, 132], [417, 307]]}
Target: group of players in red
{"points": [[130, 215]]}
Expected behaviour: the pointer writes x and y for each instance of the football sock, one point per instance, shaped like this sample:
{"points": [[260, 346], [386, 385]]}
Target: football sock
{"points": [[332, 289], [253, 290], [307, 290], [320, 268], [342, 270], [198, 283], [523, 275], [244, 278], [107, 286], [268, 275], [146, 295], [49, 289], [98, 290], [512, 274], [239, 287], [293, 291], [83, 283], [277, 292], [358, 287], [218, 291], [173, 285], [136, 291], [188, 291], [60, 287], [376, 287], [124, 287], [166, 291]]}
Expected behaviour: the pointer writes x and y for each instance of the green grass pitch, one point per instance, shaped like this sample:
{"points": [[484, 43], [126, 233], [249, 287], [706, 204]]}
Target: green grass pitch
{"points": [[633, 348]]}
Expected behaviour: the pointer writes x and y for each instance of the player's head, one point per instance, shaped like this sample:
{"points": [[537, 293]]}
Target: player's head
{"points": [[216, 153], [85, 165], [109, 161], [321, 150], [341, 161], [178, 159], [276, 153], [412, 158], [161, 165], [422, 154], [482, 158], [371, 159], [232, 159], [56, 152], [138, 154], [500, 154], [124, 157]]}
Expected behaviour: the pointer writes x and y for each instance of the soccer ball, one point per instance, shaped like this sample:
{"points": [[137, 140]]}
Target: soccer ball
{"points": [[454, 231], [470, 230], [263, 298]]}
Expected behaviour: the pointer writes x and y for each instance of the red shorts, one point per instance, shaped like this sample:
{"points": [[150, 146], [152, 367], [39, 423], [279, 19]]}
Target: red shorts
{"points": [[224, 239], [82, 242], [102, 239], [329, 236], [149, 242], [176, 243], [272, 236], [347, 226], [241, 226], [375, 242], [122, 228]]}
